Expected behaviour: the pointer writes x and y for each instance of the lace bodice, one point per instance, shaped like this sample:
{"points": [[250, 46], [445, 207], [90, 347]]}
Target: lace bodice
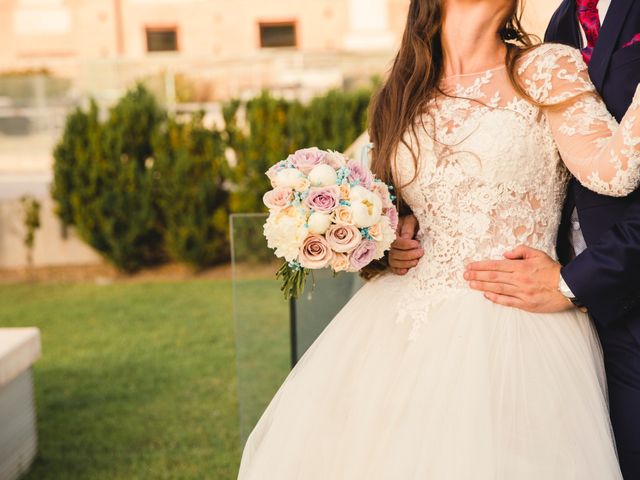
{"points": [[490, 174]]}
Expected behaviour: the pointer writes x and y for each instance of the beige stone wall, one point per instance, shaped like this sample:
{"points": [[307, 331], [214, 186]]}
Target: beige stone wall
{"points": [[51, 247], [36, 32]]}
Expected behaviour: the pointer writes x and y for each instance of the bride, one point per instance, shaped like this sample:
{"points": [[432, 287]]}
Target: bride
{"points": [[419, 377]]}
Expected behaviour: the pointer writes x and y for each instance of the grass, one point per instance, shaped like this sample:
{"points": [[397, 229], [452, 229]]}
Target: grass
{"points": [[138, 380]]}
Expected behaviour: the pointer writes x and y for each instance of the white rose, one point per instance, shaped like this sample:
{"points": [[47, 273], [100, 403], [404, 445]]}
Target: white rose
{"points": [[323, 176], [319, 222], [285, 231], [288, 178], [366, 207]]}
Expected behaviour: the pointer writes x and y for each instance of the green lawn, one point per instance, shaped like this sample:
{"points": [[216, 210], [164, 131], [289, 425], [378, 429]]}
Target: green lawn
{"points": [[138, 380]]}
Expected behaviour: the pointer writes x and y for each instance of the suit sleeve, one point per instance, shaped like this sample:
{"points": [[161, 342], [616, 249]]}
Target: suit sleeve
{"points": [[606, 276]]}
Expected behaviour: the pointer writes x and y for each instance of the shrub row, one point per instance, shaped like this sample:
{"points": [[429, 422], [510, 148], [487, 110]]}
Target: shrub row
{"points": [[142, 187]]}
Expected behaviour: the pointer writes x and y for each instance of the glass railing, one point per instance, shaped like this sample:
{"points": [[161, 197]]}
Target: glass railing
{"points": [[272, 334]]}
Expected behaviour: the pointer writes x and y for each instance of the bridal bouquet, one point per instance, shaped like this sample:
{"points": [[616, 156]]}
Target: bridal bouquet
{"points": [[326, 210]]}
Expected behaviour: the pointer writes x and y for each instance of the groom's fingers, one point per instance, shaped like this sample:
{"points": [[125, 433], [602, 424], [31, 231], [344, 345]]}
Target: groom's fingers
{"points": [[509, 266], [506, 300], [494, 288], [490, 276]]}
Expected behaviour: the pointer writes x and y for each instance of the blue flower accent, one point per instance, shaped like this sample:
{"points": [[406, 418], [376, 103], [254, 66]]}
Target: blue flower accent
{"points": [[365, 233], [343, 174], [345, 203], [295, 265]]}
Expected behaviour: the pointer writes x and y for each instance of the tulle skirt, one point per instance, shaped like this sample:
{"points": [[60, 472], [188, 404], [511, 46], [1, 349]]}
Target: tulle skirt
{"points": [[471, 391]]}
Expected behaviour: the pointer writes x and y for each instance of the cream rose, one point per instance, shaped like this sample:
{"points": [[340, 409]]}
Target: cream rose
{"points": [[340, 262], [315, 252], [302, 184], [375, 232], [342, 215], [343, 238], [345, 191]]}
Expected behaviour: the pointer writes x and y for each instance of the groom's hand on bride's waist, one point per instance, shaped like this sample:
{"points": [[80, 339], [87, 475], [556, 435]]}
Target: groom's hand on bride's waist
{"points": [[405, 250], [527, 279]]}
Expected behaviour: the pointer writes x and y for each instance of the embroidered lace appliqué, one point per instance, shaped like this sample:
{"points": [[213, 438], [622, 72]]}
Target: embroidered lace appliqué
{"points": [[493, 167]]}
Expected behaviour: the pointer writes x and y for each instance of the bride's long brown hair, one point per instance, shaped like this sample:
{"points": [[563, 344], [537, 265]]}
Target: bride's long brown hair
{"points": [[415, 79]]}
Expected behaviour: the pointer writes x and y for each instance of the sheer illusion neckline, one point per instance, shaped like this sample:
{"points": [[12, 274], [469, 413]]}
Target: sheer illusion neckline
{"points": [[475, 74]]}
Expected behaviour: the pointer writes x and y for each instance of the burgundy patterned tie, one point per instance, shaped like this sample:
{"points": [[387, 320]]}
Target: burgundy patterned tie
{"points": [[590, 20]]}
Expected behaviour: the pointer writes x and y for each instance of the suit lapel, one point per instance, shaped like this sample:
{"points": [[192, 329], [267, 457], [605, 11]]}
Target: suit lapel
{"points": [[607, 40], [567, 25]]}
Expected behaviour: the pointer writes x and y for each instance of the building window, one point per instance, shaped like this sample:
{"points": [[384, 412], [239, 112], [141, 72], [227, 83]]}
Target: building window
{"points": [[281, 34], [162, 39]]}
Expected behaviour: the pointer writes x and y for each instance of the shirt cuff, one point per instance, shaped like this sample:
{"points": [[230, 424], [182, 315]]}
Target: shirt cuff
{"points": [[564, 289]]}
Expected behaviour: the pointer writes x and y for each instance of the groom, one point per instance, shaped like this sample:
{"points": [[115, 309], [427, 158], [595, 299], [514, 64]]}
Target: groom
{"points": [[599, 237]]}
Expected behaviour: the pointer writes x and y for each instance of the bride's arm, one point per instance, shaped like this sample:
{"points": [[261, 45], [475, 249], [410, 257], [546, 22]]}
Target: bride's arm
{"points": [[603, 156]]}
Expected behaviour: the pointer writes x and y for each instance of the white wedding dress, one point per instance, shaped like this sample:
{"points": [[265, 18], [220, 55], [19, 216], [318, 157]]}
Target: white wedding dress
{"points": [[418, 377]]}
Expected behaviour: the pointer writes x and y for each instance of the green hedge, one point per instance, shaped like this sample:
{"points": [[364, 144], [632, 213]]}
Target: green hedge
{"points": [[142, 188], [103, 184], [191, 170]]}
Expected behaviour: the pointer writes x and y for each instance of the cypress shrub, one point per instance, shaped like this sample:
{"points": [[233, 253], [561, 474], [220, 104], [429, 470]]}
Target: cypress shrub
{"points": [[103, 181], [191, 169]]}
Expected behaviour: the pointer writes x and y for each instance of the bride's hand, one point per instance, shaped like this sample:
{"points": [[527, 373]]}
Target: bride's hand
{"points": [[528, 279], [405, 251]]}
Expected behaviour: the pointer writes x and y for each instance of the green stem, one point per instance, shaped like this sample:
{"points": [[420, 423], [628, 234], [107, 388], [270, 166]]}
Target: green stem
{"points": [[293, 280]]}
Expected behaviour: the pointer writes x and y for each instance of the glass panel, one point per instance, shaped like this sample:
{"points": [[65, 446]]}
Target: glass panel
{"points": [[271, 333], [323, 298], [261, 318]]}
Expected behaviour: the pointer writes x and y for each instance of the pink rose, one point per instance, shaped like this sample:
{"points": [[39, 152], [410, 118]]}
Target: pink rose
{"points": [[362, 255], [277, 198], [382, 191], [392, 214], [271, 173], [335, 159], [343, 238], [359, 174], [307, 158], [315, 252], [323, 199]]}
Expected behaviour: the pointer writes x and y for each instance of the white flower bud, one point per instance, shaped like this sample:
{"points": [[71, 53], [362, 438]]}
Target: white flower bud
{"points": [[323, 176]]}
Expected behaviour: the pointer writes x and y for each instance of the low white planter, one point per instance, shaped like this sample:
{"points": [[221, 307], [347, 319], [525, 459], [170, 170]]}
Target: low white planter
{"points": [[19, 349]]}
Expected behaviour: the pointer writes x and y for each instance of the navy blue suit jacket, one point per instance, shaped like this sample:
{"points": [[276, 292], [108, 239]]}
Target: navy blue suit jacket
{"points": [[606, 277]]}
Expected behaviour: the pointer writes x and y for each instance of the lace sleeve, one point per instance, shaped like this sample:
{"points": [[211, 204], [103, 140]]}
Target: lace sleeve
{"points": [[603, 156]]}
